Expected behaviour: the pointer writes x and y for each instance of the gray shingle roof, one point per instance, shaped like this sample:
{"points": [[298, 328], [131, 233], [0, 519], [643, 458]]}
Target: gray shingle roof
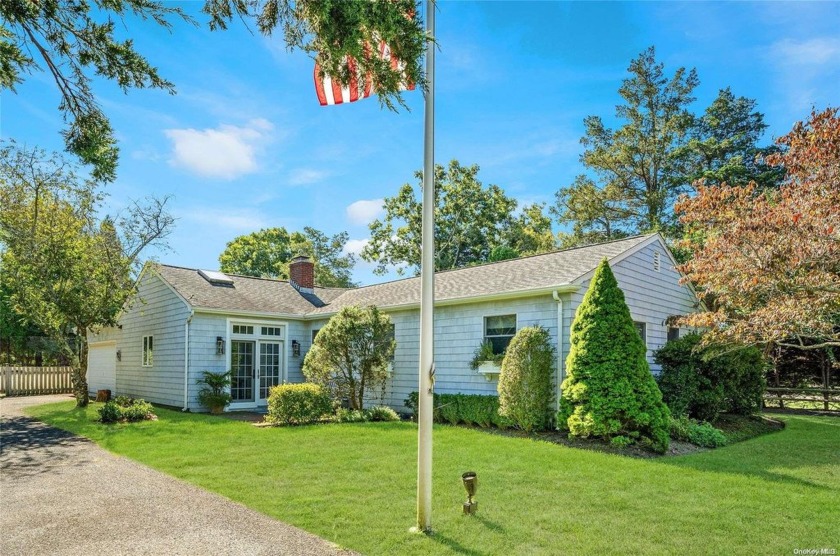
{"points": [[544, 271]]}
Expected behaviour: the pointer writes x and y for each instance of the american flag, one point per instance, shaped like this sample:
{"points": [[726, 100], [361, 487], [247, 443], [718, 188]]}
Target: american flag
{"points": [[360, 86]]}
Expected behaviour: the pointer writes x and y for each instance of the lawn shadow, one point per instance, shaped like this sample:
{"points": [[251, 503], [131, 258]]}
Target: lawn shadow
{"points": [[805, 442], [453, 545]]}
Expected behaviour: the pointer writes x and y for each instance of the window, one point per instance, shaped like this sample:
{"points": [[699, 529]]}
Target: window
{"points": [[242, 329], [393, 336], [148, 351], [499, 331], [656, 261], [641, 328], [314, 333], [272, 331], [673, 333]]}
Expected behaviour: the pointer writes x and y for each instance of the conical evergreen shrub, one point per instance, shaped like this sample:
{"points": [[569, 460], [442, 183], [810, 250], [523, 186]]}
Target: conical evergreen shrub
{"points": [[609, 390]]}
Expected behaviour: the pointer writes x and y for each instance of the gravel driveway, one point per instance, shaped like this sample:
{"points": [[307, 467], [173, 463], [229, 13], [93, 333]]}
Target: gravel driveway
{"points": [[126, 508]]}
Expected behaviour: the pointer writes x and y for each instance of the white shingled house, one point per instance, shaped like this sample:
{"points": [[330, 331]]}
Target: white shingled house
{"points": [[185, 321]]}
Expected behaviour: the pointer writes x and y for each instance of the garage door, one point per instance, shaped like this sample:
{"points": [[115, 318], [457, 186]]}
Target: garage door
{"points": [[102, 367]]}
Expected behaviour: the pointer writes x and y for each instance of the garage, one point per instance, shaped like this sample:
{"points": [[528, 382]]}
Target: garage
{"points": [[102, 366]]}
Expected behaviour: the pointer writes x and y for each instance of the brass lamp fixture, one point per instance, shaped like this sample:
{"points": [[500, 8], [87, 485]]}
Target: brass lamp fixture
{"points": [[471, 485]]}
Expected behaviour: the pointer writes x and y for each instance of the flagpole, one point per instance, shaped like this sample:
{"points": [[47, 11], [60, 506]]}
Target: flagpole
{"points": [[427, 294]]}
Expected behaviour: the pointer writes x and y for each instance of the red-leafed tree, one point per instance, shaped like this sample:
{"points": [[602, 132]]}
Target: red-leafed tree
{"points": [[768, 262]]}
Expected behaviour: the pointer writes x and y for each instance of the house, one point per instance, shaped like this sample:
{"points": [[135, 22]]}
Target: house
{"points": [[185, 321]]}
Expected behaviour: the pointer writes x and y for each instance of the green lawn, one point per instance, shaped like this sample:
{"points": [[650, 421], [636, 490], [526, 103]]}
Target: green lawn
{"points": [[354, 484]]}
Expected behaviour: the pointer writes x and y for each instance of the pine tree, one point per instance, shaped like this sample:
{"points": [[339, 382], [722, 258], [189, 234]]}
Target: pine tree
{"points": [[609, 390]]}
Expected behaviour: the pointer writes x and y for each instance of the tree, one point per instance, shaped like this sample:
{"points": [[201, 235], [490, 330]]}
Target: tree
{"points": [[68, 271], [597, 213], [267, 254], [77, 40], [525, 390], [767, 262], [351, 354], [470, 222], [609, 390], [639, 162], [724, 145]]}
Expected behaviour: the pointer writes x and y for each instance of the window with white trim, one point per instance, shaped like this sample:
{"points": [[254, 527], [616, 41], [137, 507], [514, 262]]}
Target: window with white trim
{"points": [[315, 333], [243, 329], [392, 336], [499, 330], [641, 328], [271, 331], [673, 333], [148, 351]]}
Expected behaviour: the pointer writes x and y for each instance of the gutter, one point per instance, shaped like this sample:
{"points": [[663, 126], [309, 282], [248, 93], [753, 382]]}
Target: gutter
{"points": [[187, 359], [556, 295]]}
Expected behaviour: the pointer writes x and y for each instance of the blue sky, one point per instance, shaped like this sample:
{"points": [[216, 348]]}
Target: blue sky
{"points": [[245, 145]]}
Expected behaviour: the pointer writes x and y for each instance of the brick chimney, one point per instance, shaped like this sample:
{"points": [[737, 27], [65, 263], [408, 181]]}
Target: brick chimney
{"points": [[302, 274]]}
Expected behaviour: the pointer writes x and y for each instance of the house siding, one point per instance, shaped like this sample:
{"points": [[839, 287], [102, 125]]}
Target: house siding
{"points": [[156, 311], [651, 295]]}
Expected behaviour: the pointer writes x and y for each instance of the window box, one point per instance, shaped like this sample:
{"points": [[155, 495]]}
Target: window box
{"points": [[490, 369]]}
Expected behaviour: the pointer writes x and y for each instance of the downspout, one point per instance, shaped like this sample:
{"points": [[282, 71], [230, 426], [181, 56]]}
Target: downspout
{"points": [[187, 359], [556, 295]]}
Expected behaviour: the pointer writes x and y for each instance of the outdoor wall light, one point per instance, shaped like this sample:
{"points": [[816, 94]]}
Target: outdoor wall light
{"points": [[471, 485], [220, 345], [119, 355], [295, 348]]}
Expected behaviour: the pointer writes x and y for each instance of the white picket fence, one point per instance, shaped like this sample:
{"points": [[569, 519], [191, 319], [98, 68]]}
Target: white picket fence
{"points": [[33, 381]]}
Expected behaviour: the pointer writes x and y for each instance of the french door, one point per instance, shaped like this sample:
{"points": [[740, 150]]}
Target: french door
{"points": [[255, 366]]}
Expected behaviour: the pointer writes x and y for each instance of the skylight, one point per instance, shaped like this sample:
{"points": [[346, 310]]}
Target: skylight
{"points": [[216, 278]]}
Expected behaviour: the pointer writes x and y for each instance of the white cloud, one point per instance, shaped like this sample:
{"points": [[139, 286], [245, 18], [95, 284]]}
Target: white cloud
{"points": [[806, 71], [818, 51], [355, 246], [225, 152], [364, 211], [306, 176], [231, 219]]}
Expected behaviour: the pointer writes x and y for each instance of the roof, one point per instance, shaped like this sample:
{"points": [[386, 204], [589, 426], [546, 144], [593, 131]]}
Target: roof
{"points": [[524, 276]]}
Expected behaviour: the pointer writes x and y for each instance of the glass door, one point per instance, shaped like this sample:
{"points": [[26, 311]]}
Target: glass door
{"points": [[270, 367], [242, 371]]}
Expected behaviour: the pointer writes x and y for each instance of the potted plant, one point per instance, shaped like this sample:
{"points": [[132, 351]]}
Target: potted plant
{"points": [[214, 395], [486, 361]]}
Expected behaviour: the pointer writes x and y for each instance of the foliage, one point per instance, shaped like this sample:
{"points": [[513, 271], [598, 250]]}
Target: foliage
{"points": [[705, 382], [347, 415], [125, 409], [767, 262], [267, 253], [470, 222], [78, 40], [351, 354], [213, 393], [484, 354], [467, 409], [609, 389], [381, 413], [525, 382], [597, 213], [298, 404], [700, 433], [66, 269]]}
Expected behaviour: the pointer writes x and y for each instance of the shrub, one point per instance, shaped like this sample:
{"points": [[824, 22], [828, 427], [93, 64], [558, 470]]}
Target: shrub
{"points": [[214, 395], [696, 381], [609, 390], [525, 390], [700, 433], [123, 408], [346, 415], [297, 404], [381, 413], [467, 409], [484, 353]]}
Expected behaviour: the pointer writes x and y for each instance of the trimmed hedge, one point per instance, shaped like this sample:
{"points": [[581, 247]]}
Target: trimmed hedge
{"points": [[609, 390], [525, 391], [698, 383], [466, 409], [123, 408], [298, 404]]}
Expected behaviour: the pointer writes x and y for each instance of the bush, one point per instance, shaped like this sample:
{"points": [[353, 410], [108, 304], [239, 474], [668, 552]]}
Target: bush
{"points": [[697, 432], [297, 404], [467, 409], [609, 390], [701, 384], [381, 413], [123, 408], [213, 394], [484, 353], [525, 390], [345, 415]]}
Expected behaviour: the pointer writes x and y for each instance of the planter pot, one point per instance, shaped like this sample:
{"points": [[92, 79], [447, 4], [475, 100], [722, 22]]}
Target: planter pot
{"points": [[217, 409], [490, 370]]}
